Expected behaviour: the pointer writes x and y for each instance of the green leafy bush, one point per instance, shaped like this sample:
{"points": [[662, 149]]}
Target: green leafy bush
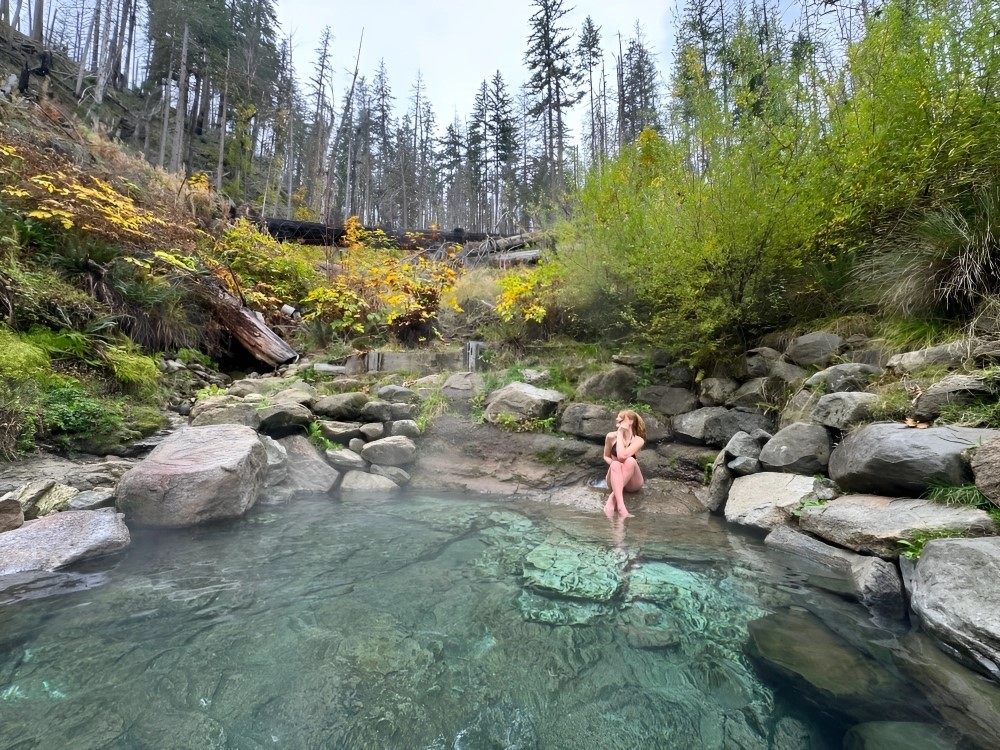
{"points": [[70, 412]]}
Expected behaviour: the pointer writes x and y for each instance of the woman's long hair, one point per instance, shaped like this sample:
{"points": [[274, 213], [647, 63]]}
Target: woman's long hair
{"points": [[638, 425]]}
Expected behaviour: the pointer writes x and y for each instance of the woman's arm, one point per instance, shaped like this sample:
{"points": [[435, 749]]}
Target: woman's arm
{"points": [[634, 446], [609, 440]]}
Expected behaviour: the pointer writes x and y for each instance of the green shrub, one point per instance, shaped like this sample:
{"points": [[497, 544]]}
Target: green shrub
{"points": [[913, 547], [71, 417]]}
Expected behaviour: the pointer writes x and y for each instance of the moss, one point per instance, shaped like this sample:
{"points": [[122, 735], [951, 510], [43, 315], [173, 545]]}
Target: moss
{"points": [[21, 361], [145, 420]]}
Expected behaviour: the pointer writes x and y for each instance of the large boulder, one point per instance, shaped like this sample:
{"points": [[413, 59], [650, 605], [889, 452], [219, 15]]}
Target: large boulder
{"points": [[986, 469], [721, 426], [954, 590], [341, 407], [196, 475], [947, 355], [799, 407], [690, 427], [587, 421], [892, 459], [390, 451], [397, 394], [954, 389], [462, 386], [520, 401], [224, 410], [339, 432], [284, 418], [716, 391], [816, 348], [307, 472], [43, 497], [757, 393], [359, 481], [850, 376], [800, 448], [841, 410], [667, 400], [62, 539], [767, 499], [616, 384], [874, 525], [759, 361], [346, 460]]}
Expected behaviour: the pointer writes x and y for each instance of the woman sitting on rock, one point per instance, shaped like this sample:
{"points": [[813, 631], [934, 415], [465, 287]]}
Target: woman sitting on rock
{"points": [[620, 448]]}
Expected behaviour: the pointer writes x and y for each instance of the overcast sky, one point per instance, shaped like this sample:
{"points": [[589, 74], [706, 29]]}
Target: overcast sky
{"points": [[454, 44]]}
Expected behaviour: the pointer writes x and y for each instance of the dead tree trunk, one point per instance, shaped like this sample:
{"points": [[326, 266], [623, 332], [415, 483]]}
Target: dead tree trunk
{"points": [[249, 329]]}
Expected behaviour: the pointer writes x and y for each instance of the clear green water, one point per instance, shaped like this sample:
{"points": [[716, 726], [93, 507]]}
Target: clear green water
{"points": [[407, 623]]}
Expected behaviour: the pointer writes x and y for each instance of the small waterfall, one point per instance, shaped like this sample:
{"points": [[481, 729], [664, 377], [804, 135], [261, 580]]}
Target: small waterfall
{"points": [[473, 355]]}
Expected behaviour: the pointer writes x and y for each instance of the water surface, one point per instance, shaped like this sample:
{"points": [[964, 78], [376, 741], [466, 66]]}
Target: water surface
{"points": [[424, 622]]}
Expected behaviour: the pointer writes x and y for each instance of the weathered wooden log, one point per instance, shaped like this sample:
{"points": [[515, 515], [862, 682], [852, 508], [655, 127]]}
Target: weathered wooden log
{"points": [[249, 329], [495, 247]]}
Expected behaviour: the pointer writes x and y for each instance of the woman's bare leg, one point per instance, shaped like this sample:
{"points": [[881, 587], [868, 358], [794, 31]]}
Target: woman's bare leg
{"points": [[618, 477]]}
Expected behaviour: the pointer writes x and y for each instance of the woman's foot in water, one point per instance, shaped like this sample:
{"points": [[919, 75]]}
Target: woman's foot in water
{"points": [[609, 506]]}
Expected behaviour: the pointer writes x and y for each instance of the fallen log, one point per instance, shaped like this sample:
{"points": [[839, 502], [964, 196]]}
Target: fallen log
{"points": [[249, 329], [491, 248]]}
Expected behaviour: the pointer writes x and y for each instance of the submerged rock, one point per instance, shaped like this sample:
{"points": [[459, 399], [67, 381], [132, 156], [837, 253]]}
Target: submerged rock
{"points": [[537, 608], [954, 591], [826, 671], [565, 567], [898, 735]]}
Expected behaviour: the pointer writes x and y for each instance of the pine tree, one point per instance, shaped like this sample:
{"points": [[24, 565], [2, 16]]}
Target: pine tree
{"points": [[553, 83]]}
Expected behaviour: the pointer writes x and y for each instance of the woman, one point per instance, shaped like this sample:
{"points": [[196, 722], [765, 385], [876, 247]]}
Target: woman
{"points": [[620, 448]]}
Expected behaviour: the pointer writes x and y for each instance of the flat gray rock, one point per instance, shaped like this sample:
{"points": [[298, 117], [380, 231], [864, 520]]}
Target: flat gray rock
{"points": [[874, 525], [842, 410], [588, 421], [62, 539], [767, 499], [520, 401], [816, 348], [359, 481], [390, 451]]}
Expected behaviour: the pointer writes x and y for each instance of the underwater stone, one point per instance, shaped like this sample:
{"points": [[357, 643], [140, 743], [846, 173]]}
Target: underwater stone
{"points": [[537, 608], [570, 569]]}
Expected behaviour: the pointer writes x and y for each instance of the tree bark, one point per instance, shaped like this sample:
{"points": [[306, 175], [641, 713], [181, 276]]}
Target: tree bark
{"points": [[250, 330], [222, 128], [83, 59], [181, 116]]}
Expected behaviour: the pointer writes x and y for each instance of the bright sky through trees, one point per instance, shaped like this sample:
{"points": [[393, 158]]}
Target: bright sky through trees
{"points": [[454, 44]]}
